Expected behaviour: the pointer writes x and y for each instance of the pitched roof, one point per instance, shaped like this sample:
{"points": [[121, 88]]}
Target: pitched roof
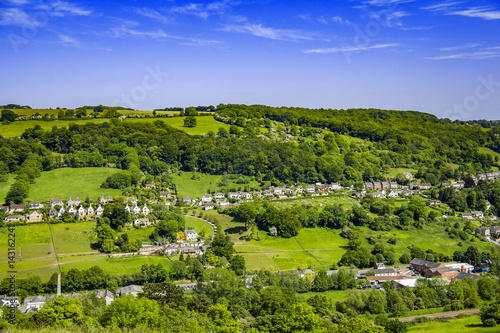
{"points": [[421, 262]]}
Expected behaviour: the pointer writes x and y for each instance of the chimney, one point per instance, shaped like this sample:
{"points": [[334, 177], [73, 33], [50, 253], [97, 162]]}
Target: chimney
{"points": [[462, 270], [58, 284]]}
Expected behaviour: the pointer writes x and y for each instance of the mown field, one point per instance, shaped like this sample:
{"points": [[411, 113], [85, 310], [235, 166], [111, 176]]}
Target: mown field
{"points": [[71, 182], [204, 124]]}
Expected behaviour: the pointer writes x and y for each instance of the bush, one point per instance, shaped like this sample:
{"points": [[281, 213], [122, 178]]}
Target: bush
{"points": [[490, 323]]}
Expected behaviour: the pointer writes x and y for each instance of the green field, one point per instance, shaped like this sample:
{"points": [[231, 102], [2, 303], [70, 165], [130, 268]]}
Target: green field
{"points": [[395, 171], [203, 126], [32, 241], [73, 237], [465, 324], [194, 188], [4, 187], [71, 182], [312, 247]]}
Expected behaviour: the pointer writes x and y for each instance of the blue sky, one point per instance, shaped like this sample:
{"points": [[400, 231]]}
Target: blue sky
{"points": [[441, 57]]}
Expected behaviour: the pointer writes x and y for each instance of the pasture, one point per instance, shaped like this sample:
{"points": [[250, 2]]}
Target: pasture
{"points": [[463, 324], [73, 237], [202, 228], [71, 182], [204, 124], [5, 186], [203, 183]]}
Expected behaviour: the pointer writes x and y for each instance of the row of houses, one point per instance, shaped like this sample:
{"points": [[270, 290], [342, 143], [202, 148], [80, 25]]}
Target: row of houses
{"points": [[488, 232]]}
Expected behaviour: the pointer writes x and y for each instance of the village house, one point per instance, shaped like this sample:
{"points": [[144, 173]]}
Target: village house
{"points": [[257, 194], [408, 175], [56, 202], [477, 214], [368, 186], [495, 231], [127, 208], [463, 275], [335, 186], [234, 195], [60, 212], [52, 213], [142, 222], [130, 290], [277, 191], [145, 210], [34, 216], [466, 215], [219, 196], [99, 211], [321, 188], [17, 208], [206, 198], [209, 206], [104, 200], [107, 295], [14, 218], [384, 272], [186, 200], [394, 186], [81, 212], [224, 204], [149, 185], [36, 205], [393, 194], [310, 188], [425, 186], [267, 193], [132, 201], [484, 232], [90, 211], [385, 185], [190, 235], [165, 194], [72, 210], [73, 201], [136, 210], [378, 195]]}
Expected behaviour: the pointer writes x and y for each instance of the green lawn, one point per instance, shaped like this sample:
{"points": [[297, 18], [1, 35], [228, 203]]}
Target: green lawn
{"points": [[73, 237], [32, 241], [466, 324], [200, 227], [395, 171], [71, 182]]}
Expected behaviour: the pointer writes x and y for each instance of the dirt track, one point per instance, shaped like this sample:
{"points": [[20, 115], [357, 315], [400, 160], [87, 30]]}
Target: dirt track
{"points": [[450, 314]]}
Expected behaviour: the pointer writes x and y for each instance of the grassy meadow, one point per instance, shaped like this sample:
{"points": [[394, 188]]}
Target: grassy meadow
{"points": [[463, 324], [73, 237], [5, 186], [194, 188], [71, 182], [203, 126]]}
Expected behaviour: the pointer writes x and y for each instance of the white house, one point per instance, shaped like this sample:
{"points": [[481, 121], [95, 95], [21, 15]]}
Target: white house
{"points": [[219, 196], [72, 210], [190, 235], [145, 210], [90, 211], [81, 211], [74, 201], [206, 198], [99, 211], [127, 208], [61, 211]]}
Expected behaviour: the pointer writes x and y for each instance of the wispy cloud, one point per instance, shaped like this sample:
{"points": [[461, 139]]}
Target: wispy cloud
{"points": [[389, 18], [199, 42], [452, 8], [124, 31], [471, 51], [69, 41], [151, 13], [351, 48], [460, 47], [63, 8], [17, 17], [270, 33], [18, 2], [386, 2]]}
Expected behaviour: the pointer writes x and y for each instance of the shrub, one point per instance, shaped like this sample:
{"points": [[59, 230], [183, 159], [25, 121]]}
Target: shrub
{"points": [[490, 323]]}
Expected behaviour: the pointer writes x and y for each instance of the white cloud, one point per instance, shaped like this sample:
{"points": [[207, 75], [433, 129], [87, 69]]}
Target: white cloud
{"points": [[389, 18], [350, 48], [151, 13], [451, 8], [340, 20], [19, 2], [63, 8], [386, 2], [270, 33], [17, 17], [69, 41], [486, 13], [479, 55], [460, 47]]}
